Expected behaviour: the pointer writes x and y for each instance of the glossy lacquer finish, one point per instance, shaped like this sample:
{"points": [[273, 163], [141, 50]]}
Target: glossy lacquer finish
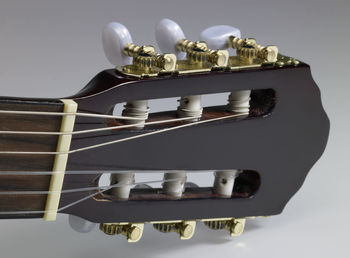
{"points": [[282, 146]]}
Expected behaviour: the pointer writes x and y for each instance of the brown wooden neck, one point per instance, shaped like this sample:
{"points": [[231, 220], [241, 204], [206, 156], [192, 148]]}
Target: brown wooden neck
{"points": [[26, 163]]}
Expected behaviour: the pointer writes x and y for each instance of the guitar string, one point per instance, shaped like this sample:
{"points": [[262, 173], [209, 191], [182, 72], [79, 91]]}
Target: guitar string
{"points": [[81, 199], [123, 139], [100, 129], [41, 173], [82, 189], [44, 113], [104, 144]]}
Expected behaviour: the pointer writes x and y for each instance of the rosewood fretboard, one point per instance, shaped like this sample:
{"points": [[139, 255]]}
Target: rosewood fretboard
{"points": [[26, 163]]}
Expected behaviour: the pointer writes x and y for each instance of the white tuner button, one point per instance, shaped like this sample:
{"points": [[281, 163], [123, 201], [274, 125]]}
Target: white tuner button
{"points": [[216, 36], [115, 37], [168, 33], [80, 225]]}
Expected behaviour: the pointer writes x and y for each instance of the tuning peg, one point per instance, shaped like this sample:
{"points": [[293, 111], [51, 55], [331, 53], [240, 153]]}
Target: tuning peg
{"points": [[224, 36], [168, 34], [185, 229], [234, 226], [170, 38], [80, 225], [216, 37], [115, 37], [132, 231]]}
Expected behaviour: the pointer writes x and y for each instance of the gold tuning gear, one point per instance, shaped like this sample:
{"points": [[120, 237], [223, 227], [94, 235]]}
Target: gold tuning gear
{"points": [[132, 231], [147, 61], [199, 58], [185, 228], [198, 52], [234, 226], [249, 49]]}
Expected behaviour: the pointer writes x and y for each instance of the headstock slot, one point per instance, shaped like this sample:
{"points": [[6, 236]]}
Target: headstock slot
{"points": [[262, 103], [246, 185]]}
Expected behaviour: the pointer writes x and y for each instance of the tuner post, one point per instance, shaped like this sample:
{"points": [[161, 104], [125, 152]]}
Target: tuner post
{"points": [[239, 101], [123, 183], [174, 184], [137, 109], [224, 182]]}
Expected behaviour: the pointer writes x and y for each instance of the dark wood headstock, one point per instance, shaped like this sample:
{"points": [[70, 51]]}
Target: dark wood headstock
{"points": [[273, 145], [282, 137]]}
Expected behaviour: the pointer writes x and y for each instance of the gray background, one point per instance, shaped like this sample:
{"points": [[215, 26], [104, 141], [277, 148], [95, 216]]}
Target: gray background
{"points": [[53, 48]]}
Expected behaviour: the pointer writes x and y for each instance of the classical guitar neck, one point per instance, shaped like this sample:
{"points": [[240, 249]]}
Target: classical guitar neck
{"points": [[27, 129]]}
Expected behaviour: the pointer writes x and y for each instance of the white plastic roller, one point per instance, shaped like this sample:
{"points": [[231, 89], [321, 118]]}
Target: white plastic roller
{"points": [[216, 36], [168, 33], [115, 37], [224, 182], [174, 184], [238, 101], [190, 106], [124, 181]]}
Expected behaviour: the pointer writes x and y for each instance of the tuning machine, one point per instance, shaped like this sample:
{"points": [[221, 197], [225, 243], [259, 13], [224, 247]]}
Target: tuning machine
{"points": [[184, 228], [132, 231], [171, 38], [224, 36], [234, 226], [142, 60]]}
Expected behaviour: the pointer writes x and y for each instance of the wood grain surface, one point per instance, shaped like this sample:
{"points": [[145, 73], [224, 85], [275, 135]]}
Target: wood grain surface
{"points": [[27, 163]]}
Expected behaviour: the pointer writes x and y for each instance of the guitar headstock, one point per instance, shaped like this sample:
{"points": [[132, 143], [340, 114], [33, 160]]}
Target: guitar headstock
{"points": [[258, 144]]}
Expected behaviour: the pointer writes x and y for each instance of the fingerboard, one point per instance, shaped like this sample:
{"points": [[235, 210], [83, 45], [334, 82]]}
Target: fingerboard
{"points": [[27, 163]]}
